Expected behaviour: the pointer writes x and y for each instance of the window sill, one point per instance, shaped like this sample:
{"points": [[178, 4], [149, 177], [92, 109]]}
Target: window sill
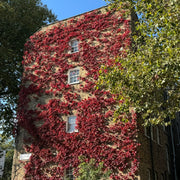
{"points": [[73, 83], [73, 132], [73, 52]]}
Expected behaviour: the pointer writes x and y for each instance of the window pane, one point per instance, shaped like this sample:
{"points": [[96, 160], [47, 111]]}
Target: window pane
{"points": [[71, 124], [74, 43], [71, 73], [74, 76], [75, 79], [71, 80], [72, 119], [74, 46], [75, 49], [71, 128]]}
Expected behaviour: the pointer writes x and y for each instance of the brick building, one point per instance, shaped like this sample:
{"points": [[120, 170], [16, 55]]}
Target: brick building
{"points": [[62, 115]]}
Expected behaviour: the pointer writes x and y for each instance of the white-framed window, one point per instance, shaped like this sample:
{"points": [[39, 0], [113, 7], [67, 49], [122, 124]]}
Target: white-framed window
{"points": [[71, 124], [69, 174], [74, 45], [25, 157], [73, 76]]}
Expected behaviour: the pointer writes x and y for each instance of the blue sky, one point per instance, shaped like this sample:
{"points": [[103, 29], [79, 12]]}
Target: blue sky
{"points": [[68, 8]]}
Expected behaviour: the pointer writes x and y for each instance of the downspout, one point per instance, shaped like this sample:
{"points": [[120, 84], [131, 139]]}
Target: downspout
{"points": [[151, 153]]}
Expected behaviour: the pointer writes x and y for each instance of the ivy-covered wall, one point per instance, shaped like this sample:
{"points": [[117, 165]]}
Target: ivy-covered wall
{"points": [[46, 99]]}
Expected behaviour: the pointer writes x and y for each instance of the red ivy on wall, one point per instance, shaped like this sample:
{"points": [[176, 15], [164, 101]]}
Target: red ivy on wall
{"points": [[46, 97]]}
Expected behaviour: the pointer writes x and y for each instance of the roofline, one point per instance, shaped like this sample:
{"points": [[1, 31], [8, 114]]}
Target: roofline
{"points": [[58, 21]]}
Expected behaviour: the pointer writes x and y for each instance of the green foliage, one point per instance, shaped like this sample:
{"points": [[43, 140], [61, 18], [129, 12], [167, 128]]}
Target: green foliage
{"points": [[19, 19], [148, 78], [7, 145], [8, 165], [92, 170]]}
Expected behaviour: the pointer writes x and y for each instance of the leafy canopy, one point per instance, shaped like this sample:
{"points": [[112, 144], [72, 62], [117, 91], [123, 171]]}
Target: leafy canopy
{"points": [[19, 19], [7, 144], [92, 170], [148, 78]]}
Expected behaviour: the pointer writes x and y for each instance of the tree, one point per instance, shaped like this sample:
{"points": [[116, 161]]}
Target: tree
{"points": [[148, 75], [92, 170], [7, 145], [19, 19]]}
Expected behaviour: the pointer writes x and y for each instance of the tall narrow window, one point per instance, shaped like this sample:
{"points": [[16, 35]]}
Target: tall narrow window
{"points": [[74, 46], [73, 76], [71, 124], [167, 158], [147, 131], [158, 135], [148, 174]]}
